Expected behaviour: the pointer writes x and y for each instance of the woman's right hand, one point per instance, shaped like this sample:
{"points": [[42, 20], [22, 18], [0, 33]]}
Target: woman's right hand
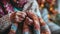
{"points": [[17, 16]]}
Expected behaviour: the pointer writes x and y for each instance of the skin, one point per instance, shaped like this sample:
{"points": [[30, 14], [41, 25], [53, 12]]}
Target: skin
{"points": [[35, 22], [20, 16], [17, 16]]}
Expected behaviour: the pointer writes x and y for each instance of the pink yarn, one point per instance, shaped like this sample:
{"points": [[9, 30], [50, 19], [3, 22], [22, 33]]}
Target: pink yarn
{"points": [[21, 2]]}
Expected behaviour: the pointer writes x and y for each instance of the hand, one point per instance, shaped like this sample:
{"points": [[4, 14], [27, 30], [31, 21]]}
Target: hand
{"points": [[28, 21], [32, 15], [20, 16], [17, 16], [35, 19]]}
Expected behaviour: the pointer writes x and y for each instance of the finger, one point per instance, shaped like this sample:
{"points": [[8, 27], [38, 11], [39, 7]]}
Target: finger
{"points": [[21, 14], [29, 21], [31, 15], [19, 19], [12, 15]]}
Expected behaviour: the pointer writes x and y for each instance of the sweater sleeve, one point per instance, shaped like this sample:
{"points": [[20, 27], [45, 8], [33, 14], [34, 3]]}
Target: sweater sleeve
{"points": [[4, 23]]}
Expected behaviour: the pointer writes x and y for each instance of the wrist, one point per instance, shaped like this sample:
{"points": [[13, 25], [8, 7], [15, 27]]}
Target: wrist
{"points": [[14, 27]]}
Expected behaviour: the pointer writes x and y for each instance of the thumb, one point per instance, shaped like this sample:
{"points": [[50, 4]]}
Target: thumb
{"points": [[12, 15]]}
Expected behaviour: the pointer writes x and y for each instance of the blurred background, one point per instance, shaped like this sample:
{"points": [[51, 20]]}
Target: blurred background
{"points": [[53, 7]]}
